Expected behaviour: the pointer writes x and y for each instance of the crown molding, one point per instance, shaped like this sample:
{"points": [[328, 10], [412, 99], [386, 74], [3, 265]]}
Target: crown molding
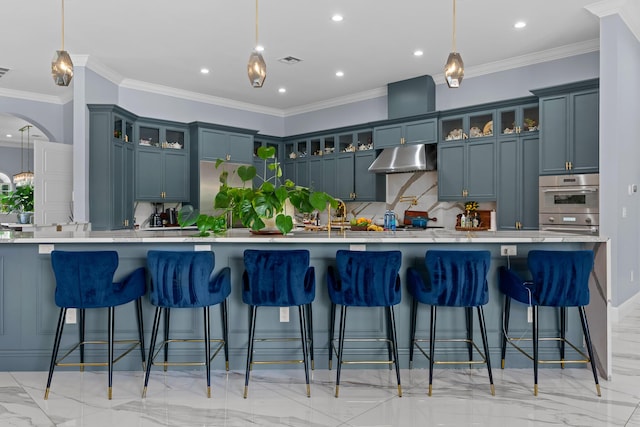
{"points": [[199, 97], [335, 102], [32, 96], [628, 10], [529, 59]]}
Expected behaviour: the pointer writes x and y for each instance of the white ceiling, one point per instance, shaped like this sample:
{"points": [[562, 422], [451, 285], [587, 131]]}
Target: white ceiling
{"points": [[163, 42]]}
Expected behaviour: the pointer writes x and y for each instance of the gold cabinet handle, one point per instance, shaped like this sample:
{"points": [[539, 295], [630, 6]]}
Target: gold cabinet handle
{"points": [[228, 157], [570, 166]]}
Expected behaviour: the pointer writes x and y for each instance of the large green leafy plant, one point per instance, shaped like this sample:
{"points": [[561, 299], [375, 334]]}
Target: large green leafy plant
{"points": [[18, 200], [253, 207]]}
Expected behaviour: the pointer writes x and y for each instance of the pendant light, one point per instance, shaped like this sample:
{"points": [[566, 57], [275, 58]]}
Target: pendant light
{"points": [[24, 177], [61, 66], [454, 68], [256, 68]]}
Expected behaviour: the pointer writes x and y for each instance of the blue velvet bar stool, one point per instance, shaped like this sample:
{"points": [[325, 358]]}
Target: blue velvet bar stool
{"points": [[279, 278], [560, 279], [182, 279], [364, 279], [456, 279], [84, 280]]}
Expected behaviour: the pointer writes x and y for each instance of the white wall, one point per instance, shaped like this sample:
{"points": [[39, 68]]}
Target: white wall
{"points": [[620, 153]]}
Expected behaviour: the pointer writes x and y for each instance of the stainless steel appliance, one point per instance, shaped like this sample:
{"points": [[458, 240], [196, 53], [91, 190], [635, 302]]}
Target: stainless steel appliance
{"points": [[569, 203]]}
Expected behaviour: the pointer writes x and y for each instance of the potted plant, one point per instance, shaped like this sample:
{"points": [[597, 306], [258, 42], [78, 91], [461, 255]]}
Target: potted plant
{"points": [[20, 201], [256, 207], [530, 123]]}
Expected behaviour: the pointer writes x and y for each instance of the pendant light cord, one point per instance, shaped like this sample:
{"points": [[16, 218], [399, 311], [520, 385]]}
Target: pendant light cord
{"points": [[454, 25], [63, 24], [256, 46]]}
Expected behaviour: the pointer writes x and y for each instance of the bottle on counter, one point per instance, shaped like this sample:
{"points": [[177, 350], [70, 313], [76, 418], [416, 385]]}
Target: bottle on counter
{"points": [[463, 221]]}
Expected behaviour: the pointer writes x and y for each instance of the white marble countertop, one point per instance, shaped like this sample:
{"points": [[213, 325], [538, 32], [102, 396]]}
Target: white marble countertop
{"points": [[243, 236]]}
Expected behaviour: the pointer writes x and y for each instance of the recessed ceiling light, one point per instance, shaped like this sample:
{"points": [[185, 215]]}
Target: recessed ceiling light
{"points": [[204, 70], [339, 73], [520, 24], [337, 18], [9, 135], [260, 48], [418, 53], [282, 90]]}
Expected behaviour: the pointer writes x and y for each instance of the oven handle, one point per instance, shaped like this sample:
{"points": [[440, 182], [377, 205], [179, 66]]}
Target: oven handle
{"points": [[569, 189], [574, 229]]}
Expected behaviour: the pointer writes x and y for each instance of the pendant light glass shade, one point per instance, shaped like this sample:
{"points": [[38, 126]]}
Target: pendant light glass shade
{"points": [[256, 68], [62, 68], [61, 65], [26, 176], [454, 68]]}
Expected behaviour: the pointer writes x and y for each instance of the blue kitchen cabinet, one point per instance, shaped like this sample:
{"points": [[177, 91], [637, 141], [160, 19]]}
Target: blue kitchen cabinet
{"points": [[259, 164], [467, 157], [414, 132], [217, 144], [210, 142], [162, 162], [569, 128], [517, 202], [111, 167]]}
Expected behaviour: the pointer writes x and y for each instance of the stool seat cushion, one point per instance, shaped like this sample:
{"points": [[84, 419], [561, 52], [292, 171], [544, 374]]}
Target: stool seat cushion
{"points": [[182, 279], [365, 278], [85, 280], [456, 279], [279, 278], [559, 279]]}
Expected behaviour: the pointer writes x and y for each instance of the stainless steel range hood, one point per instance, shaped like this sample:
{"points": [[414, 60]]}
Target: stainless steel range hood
{"points": [[405, 158]]}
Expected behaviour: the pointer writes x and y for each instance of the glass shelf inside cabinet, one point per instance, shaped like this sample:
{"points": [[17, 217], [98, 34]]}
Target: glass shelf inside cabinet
{"points": [[452, 129], [480, 125], [175, 139], [329, 145], [531, 119], [345, 143], [507, 123], [316, 148], [149, 137], [365, 140], [290, 150], [301, 149], [122, 129]]}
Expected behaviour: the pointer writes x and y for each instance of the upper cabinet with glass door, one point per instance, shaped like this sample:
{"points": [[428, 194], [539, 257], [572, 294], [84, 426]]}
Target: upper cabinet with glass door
{"points": [[164, 137], [518, 120], [469, 126], [122, 128]]}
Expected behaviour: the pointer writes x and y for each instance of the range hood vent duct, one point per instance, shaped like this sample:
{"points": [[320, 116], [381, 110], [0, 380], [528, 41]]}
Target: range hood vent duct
{"points": [[405, 158]]}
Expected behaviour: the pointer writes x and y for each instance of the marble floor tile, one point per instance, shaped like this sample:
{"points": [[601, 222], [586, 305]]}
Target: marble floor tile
{"points": [[368, 397]]}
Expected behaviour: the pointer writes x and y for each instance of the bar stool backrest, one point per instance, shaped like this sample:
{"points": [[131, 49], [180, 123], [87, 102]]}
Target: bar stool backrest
{"points": [[458, 278], [365, 278], [183, 279], [560, 278], [84, 279], [278, 278]]}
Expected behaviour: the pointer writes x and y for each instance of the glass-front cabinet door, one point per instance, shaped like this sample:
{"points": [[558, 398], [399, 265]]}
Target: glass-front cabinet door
{"points": [[518, 120]]}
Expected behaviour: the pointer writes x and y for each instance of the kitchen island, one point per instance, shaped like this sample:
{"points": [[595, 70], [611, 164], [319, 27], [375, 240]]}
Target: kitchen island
{"points": [[28, 313]]}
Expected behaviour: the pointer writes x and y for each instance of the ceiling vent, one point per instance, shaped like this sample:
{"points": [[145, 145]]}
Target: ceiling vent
{"points": [[290, 60], [3, 71]]}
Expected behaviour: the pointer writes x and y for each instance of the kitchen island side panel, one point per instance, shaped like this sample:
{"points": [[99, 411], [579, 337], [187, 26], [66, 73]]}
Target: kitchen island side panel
{"points": [[29, 313]]}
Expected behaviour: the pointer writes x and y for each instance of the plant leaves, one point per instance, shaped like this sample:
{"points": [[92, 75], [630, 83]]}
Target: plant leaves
{"points": [[265, 152], [284, 223], [246, 173]]}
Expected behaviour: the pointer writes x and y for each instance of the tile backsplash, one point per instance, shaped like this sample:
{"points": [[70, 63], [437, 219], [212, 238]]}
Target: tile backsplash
{"points": [[402, 188]]}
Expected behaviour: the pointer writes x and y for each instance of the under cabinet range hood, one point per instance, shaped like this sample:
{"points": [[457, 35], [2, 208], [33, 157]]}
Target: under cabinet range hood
{"points": [[406, 158]]}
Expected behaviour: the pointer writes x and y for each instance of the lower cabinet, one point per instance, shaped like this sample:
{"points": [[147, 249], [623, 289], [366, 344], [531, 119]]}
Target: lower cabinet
{"points": [[467, 171], [517, 203]]}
